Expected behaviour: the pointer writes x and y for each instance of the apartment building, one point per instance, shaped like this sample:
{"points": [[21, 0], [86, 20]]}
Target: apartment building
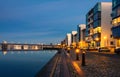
{"points": [[98, 26], [116, 21]]}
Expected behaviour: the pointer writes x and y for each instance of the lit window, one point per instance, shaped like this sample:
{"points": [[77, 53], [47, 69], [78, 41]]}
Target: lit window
{"points": [[95, 31], [99, 29], [114, 22], [118, 20], [118, 11]]}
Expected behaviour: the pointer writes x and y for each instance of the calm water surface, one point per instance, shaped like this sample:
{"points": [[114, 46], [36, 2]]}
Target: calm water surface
{"points": [[23, 63]]}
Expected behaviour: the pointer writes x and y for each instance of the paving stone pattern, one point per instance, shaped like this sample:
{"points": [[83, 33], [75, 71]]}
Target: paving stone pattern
{"points": [[101, 65]]}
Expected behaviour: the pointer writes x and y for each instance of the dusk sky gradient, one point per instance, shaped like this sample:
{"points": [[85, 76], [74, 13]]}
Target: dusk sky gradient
{"points": [[41, 21]]}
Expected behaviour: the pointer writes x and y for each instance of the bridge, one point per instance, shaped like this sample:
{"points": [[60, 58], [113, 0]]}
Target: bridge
{"points": [[27, 47]]}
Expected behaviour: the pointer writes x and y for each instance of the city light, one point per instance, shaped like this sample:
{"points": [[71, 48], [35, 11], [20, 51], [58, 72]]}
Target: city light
{"points": [[4, 52], [97, 39], [105, 37], [77, 50]]}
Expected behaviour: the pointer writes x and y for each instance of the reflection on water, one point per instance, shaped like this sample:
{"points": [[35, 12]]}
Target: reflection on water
{"points": [[23, 63], [4, 52]]}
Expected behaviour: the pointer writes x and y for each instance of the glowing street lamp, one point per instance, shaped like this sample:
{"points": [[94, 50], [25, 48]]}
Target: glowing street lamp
{"points": [[83, 58], [97, 39], [68, 49], [77, 53]]}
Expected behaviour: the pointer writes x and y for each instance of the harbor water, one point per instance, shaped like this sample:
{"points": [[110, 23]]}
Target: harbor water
{"points": [[23, 63]]}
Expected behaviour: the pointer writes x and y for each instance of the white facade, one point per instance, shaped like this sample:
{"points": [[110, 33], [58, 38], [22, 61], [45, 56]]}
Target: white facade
{"points": [[106, 26], [68, 39], [82, 27], [74, 36]]}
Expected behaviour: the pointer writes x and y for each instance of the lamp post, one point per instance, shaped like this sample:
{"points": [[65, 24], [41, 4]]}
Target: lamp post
{"points": [[68, 50], [97, 39], [77, 53], [83, 58]]}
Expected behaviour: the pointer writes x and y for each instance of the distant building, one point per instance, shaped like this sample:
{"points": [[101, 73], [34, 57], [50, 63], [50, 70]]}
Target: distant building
{"points": [[0, 47], [116, 21], [98, 26], [81, 29], [78, 33], [74, 38], [68, 39], [81, 32]]}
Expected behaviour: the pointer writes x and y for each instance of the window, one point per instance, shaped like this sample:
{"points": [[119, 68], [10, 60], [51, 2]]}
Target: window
{"points": [[118, 11], [97, 7], [114, 3], [97, 30], [116, 21], [97, 23], [111, 43], [97, 16], [114, 13], [111, 36]]}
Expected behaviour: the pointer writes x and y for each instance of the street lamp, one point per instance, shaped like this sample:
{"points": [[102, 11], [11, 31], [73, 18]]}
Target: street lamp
{"points": [[97, 39], [77, 53], [68, 49], [83, 58]]}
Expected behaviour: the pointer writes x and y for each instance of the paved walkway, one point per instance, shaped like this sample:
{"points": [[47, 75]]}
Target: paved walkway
{"points": [[67, 66], [102, 65]]}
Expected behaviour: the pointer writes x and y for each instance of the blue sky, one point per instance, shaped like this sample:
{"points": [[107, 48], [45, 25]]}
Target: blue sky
{"points": [[41, 21]]}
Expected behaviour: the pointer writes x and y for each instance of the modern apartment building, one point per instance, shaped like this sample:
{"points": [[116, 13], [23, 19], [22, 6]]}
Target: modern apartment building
{"points": [[68, 37], [98, 26], [116, 21], [81, 35], [74, 38], [81, 32]]}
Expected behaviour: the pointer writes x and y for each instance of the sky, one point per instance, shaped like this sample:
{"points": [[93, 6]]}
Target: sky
{"points": [[41, 21]]}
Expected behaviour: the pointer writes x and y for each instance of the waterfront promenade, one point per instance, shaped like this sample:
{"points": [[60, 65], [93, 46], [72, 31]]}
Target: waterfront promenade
{"points": [[98, 64]]}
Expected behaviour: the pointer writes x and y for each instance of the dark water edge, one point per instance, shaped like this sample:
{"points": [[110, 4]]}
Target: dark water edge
{"points": [[46, 70]]}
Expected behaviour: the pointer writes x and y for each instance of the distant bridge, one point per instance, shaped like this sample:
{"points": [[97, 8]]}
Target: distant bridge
{"points": [[27, 47]]}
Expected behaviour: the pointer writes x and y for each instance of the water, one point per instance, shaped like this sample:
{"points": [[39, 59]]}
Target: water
{"points": [[23, 63]]}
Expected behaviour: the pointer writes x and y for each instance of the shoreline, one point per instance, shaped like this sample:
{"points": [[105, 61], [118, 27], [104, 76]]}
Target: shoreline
{"points": [[49, 68]]}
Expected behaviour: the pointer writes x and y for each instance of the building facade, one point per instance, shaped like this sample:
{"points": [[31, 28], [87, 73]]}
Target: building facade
{"points": [[68, 36], [81, 35], [116, 21], [98, 26], [74, 38]]}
